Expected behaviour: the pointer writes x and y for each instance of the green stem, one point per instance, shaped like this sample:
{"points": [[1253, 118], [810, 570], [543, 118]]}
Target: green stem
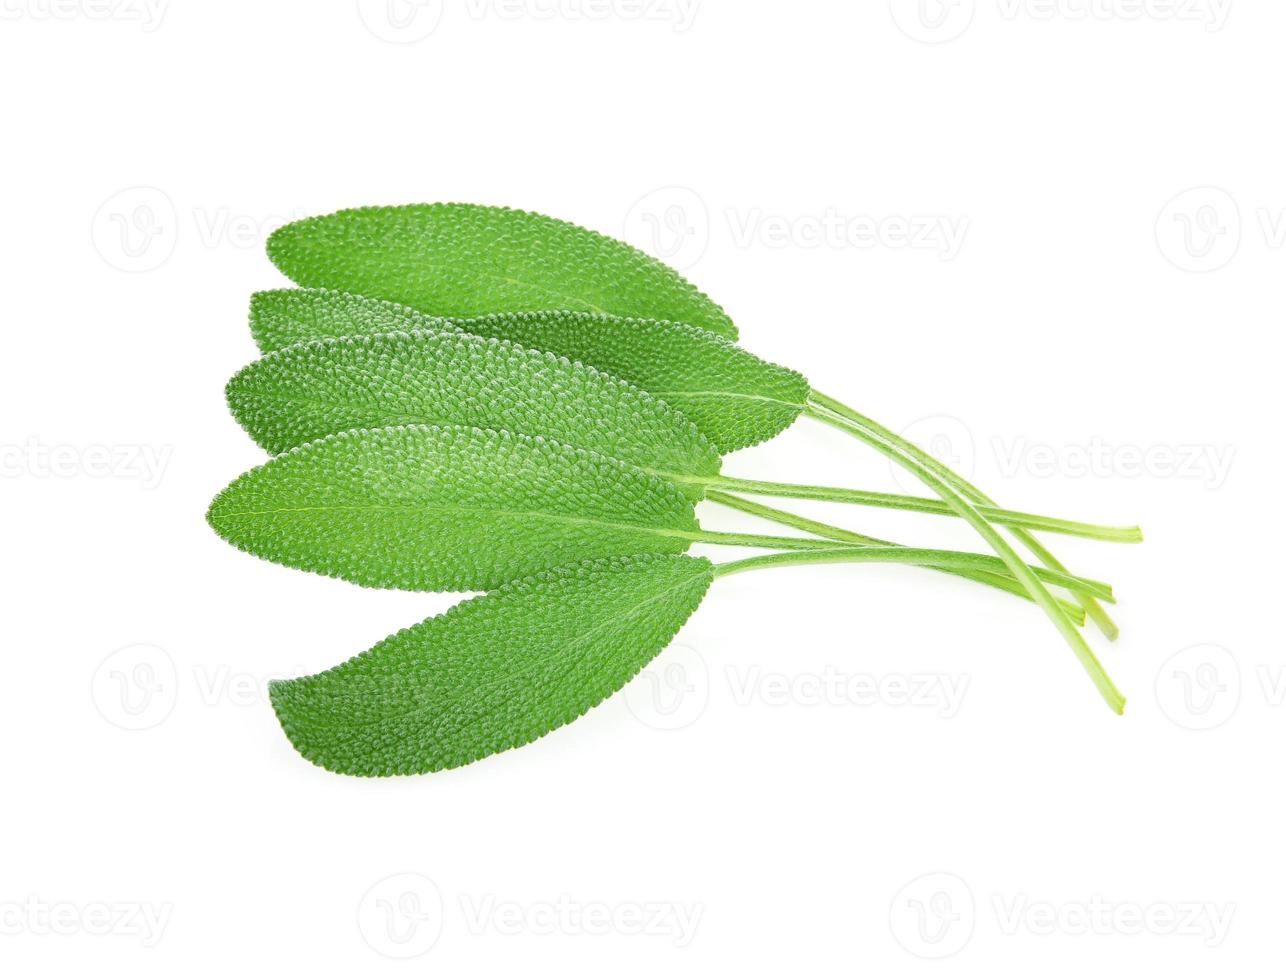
{"points": [[1021, 571], [1096, 612], [930, 557], [1004, 582], [919, 505], [797, 521], [985, 562]]}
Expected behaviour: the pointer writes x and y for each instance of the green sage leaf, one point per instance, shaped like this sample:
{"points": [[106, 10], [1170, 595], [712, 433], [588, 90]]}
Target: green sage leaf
{"points": [[733, 397], [320, 387], [452, 508], [470, 259], [494, 672], [281, 317]]}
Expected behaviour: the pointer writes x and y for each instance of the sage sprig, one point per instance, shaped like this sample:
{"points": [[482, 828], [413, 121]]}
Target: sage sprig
{"points": [[465, 398], [417, 255]]}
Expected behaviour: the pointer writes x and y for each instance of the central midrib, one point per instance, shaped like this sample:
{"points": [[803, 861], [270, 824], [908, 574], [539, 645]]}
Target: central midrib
{"points": [[456, 509]]}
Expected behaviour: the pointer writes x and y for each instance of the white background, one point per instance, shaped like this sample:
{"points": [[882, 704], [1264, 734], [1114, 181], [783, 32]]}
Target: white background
{"points": [[1086, 308]]}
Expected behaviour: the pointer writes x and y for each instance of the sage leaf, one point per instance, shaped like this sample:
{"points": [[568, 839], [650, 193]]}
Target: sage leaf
{"points": [[749, 399], [449, 508], [469, 259], [320, 387], [733, 397], [494, 672], [281, 317]]}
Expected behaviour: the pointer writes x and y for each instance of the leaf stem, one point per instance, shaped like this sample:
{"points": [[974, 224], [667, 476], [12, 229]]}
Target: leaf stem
{"points": [[1003, 581], [919, 505], [931, 557], [910, 460], [1096, 612], [986, 562]]}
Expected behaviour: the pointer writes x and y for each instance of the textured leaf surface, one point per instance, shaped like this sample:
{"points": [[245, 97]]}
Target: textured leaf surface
{"points": [[494, 672], [447, 508], [322, 387], [281, 317], [733, 397], [469, 259]]}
